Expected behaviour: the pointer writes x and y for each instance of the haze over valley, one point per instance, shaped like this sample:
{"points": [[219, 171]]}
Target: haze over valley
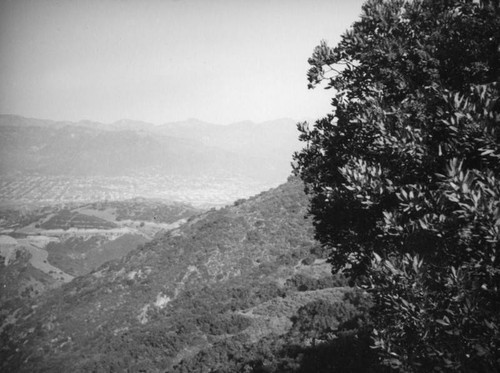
{"points": [[204, 164]]}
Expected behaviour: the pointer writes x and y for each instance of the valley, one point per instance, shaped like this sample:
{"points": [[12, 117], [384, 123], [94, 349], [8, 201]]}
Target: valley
{"points": [[39, 257]]}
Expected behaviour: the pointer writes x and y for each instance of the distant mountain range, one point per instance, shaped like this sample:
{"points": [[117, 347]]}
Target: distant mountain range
{"points": [[258, 150]]}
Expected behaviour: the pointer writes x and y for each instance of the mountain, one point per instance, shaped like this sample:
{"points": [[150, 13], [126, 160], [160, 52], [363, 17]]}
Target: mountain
{"points": [[231, 290], [194, 148], [19, 121], [274, 139], [123, 124], [83, 151], [131, 125]]}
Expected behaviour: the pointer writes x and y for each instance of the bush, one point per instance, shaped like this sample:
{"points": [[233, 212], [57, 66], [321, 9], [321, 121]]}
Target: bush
{"points": [[223, 324], [308, 261], [304, 283]]}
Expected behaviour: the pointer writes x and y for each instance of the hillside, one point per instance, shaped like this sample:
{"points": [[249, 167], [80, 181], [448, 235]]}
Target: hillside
{"points": [[19, 279], [227, 291]]}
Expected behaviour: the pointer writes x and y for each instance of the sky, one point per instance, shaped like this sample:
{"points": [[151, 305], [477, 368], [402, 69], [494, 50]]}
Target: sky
{"points": [[220, 61]]}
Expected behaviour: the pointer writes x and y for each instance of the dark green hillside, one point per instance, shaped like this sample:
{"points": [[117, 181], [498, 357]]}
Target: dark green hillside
{"points": [[197, 298], [19, 280], [79, 255], [13, 218], [142, 209], [65, 219]]}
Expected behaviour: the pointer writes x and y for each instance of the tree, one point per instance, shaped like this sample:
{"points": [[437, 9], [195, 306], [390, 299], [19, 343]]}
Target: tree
{"points": [[404, 176], [319, 319]]}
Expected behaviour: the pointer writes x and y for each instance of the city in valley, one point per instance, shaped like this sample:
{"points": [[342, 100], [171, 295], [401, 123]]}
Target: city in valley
{"points": [[199, 191]]}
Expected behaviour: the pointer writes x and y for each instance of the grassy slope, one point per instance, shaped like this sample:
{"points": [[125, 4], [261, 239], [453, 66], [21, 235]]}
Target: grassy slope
{"points": [[20, 280], [80, 255]]}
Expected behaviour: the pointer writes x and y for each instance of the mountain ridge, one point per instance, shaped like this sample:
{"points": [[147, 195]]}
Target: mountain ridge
{"points": [[127, 123]]}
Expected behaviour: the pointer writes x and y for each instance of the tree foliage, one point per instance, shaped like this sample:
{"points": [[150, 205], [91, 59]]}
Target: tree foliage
{"points": [[404, 176]]}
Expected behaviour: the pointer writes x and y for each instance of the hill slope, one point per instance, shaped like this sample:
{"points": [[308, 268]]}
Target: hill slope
{"points": [[229, 280]]}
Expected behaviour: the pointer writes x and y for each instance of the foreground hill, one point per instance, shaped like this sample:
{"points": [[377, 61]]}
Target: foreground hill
{"points": [[228, 291]]}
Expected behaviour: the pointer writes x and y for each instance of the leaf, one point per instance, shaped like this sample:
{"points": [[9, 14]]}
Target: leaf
{"points": [[453, 271], [481, 351], [487, 152], [443, 322], [416, 263], [490, 325]]}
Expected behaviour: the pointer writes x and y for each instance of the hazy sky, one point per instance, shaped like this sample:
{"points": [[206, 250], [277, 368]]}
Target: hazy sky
{"points": [[216, 60]]}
